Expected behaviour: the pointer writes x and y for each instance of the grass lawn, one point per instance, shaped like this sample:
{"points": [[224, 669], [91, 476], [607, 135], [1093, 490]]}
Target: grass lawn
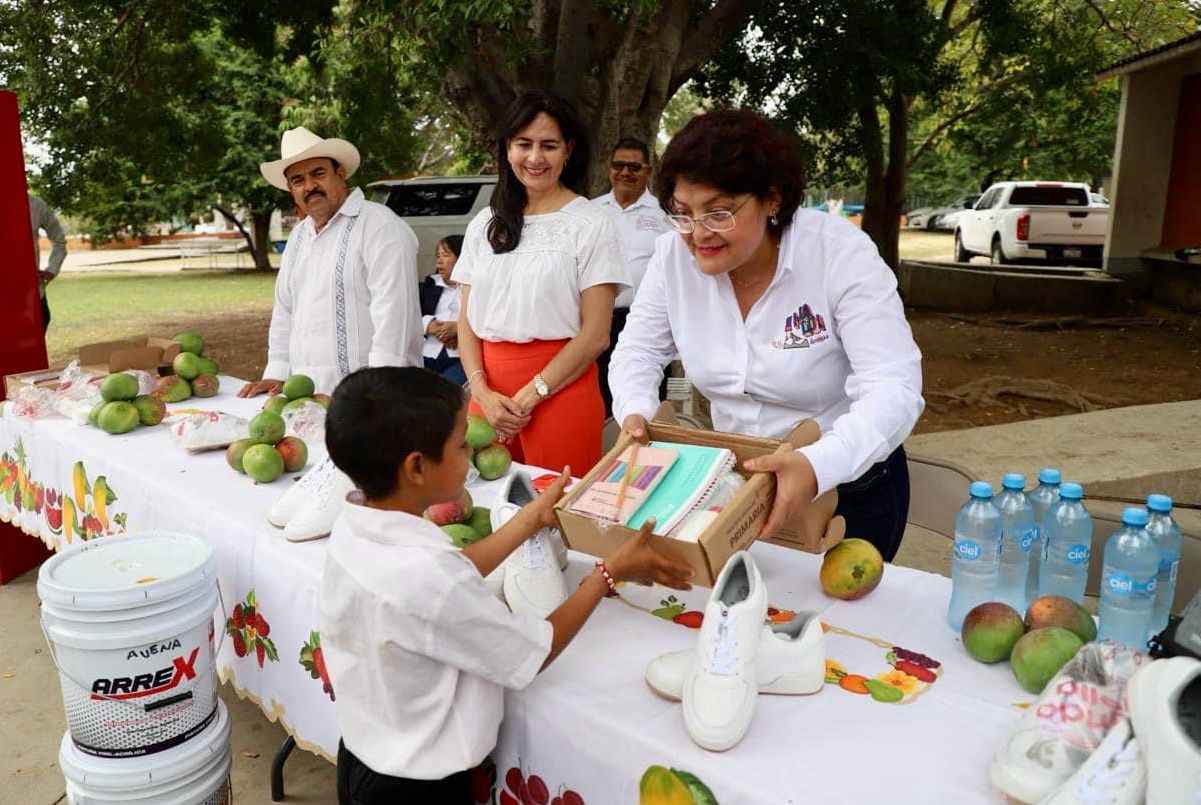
{"points": [[102, 306]]}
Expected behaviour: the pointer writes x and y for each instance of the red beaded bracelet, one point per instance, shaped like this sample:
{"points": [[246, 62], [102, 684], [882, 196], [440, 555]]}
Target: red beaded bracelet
{"points": [[600, 565]]}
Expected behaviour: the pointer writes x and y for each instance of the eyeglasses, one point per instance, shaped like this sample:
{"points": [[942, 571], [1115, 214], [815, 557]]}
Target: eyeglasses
{"points": [[717, 221], [632, 167]]}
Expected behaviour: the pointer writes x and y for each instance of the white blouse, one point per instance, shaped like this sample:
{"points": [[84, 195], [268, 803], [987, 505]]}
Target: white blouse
{"points": [[533, 292], [447, 309], [828, 340]]}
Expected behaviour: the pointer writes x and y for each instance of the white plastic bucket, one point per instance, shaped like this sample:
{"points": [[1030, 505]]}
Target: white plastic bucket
{"points": [[194, 773], [130, 625]]}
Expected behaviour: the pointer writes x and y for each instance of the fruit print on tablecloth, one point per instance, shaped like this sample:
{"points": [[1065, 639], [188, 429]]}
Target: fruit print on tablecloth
{"points": [[62, 517], [663, 786], [521, 789], [249, 630], [312, 658], [906, 675]]}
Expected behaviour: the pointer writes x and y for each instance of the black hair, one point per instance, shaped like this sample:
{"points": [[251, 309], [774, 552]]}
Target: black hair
{"points": [[509, 198], [736, 151], [633, 144], [379, 415], [453, 244]]}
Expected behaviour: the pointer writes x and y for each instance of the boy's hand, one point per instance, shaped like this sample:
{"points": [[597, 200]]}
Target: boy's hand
{"points": [[638, 561], [543, 506]]}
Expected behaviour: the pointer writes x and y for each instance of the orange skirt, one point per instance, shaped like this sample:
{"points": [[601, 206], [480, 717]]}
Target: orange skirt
{"points": [[566, 428]]}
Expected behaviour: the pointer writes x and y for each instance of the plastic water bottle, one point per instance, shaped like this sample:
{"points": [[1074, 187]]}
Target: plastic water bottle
{"points": [[1041, 498], [976, 555], [1128, 582], [1018, 534], [1166, 536], [1068, 537]]}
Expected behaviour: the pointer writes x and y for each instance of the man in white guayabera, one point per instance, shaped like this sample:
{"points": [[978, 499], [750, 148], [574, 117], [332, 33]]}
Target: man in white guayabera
{"points": [[346, 294]]}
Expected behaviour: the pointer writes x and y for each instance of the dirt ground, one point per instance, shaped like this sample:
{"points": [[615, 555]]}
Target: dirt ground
{"points": [[1045, 365]]}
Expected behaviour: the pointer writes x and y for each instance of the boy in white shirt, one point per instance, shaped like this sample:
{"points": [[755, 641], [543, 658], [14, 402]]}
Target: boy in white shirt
{"points": [[418, 650]]}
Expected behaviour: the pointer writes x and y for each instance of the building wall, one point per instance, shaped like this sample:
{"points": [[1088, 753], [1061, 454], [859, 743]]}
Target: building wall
{"points": [[1143, 161]]}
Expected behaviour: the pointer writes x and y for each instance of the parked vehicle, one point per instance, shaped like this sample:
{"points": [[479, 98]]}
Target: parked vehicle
{"points": [[434, 206], [1033, 220], [1097, 200], [938, 220], [925, 217]]}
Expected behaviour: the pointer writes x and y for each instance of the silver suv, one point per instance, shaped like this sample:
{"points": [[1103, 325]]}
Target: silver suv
{"points": [[435, 206]]}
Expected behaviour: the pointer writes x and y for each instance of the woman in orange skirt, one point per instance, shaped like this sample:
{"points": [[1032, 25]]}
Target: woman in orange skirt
{"points": [[539, 272]]}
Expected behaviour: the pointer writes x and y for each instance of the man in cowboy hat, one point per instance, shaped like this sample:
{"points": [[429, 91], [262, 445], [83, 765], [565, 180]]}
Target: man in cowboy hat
{"points": [[345, 296]]}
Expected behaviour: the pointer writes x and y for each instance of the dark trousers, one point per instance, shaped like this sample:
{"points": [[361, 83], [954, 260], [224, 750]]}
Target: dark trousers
{"points": [[45, 314], [359, 785], [876, 505], [620, 314], [448, 367]]}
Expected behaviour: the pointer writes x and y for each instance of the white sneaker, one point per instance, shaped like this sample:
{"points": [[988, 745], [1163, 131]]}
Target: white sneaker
{"points": [[1115, 774], [286, 506], [1164, 697], [533, 580], [517, 489], [719, 689], [316, 515], [791, 661], [1046, 747]]}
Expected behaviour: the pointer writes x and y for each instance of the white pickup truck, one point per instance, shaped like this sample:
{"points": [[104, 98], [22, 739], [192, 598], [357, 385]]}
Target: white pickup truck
{"points": [[1033, 220]]}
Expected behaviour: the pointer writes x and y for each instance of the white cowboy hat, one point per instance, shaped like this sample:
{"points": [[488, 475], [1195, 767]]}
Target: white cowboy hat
{"points": [[299, 144]]}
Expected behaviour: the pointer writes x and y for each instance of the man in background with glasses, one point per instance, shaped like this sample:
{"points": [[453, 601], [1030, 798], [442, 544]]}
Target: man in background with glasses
{"points": [[639, 222]]}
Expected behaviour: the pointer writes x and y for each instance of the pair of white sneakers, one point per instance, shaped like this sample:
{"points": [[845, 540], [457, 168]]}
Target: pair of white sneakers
{"points": [[310, 507], [531, 578], [1152, 756], [737, 656]]}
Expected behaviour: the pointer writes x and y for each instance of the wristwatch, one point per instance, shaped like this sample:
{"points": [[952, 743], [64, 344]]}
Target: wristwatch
{"points": [[540, 387]]}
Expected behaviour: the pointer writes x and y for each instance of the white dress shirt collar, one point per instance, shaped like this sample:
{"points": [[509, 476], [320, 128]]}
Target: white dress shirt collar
{"points": [[645, 200]]}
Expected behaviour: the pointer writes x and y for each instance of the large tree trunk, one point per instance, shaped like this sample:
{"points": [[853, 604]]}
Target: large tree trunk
{"points": [[886, 175], [619, 74], [258, 240], [260, 243]]}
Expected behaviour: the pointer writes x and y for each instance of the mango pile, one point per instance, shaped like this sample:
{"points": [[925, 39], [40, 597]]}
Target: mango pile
{"points": [[298, 390], [490, 458], [1036, 646], [267, 453], [121, 408], [195, 374]]}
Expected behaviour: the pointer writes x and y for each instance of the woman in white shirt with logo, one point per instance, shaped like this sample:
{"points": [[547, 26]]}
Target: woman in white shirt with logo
{"points": [[779, 314], [538, 275]]}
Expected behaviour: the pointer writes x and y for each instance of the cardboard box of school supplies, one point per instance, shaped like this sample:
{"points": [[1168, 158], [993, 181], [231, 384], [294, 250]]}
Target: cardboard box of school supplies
{"points": [[815, 530], [147, 352]]}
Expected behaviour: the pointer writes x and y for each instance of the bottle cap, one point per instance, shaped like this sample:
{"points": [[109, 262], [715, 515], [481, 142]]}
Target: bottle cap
{"points": [[1049, 475], [1014, 480], [1134, 516], [1070, 490], [1162, 504], [981, 489]]}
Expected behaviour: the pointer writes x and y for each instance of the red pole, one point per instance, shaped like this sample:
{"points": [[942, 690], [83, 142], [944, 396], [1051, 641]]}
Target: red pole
{"points": [[22, 342]]}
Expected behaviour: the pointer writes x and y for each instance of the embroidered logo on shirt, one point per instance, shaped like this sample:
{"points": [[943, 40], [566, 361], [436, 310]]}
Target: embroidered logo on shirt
{"points": [[802, 329], [651, 223]]}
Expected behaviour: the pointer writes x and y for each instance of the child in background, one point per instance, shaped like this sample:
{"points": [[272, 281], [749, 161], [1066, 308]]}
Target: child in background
{"points": [[439, 298], [418, 650]]}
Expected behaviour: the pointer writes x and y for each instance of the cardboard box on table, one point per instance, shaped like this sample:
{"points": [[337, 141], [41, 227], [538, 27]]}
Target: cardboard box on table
{"points": [[815, 530], [151, 353]]}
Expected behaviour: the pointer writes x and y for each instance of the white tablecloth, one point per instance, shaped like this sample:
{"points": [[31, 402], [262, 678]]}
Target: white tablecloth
{"points": [[588, 724]]}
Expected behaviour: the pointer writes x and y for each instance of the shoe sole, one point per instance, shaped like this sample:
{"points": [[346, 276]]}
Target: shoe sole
{"points": [[308, 537], [1020, 790], [776, 688]]}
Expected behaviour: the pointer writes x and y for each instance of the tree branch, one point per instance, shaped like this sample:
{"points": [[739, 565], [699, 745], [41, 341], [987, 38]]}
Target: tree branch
{"points": [[1129, 36], [948, 10], [972, 16], [719, 23], [229, 216], [544, 21], [966, 111]]}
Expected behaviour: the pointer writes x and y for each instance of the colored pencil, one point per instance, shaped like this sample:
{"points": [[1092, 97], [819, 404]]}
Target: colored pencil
{"points": [[625, 481]]}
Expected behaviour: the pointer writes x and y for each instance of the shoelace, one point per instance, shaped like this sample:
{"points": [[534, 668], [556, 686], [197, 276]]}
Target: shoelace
{"points": [[722, 645], [319, 474], [1102, 785], [325, 483], [536, 553]]}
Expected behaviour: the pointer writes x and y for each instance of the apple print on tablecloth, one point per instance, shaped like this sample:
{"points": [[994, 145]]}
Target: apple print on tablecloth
{"points": [[532, 790], [313, 660], [249, 631]]}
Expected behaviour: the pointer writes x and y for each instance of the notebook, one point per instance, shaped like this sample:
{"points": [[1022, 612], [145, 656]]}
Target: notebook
{"points": [[651, 466], [692, 476]]}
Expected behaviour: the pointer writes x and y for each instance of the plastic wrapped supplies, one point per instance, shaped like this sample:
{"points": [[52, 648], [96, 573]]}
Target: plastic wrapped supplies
{"points": [[207, 430], [306, 421]]}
